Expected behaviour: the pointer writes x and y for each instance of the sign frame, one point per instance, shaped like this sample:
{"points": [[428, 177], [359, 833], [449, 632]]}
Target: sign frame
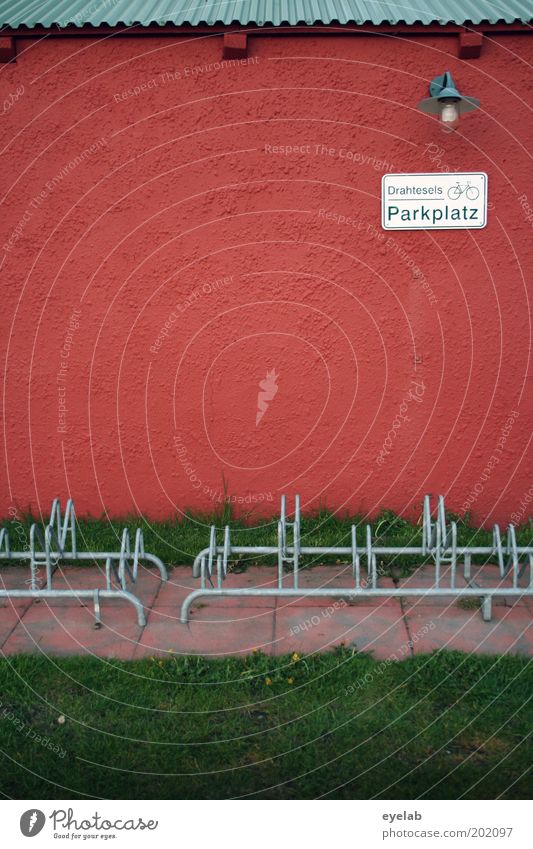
{"points": [[454, 175]]}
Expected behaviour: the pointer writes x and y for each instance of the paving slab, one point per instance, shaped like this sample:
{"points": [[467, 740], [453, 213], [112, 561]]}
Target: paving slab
{"points": [[70, 630], [14, 577], [424, 578], [489, 576], [334, 576], [212, 632], [77, 577], [510, 630], [527, 602], [9, 619], [92, 577], [486, 576], [181, 583], [220, 626], [379, 630]]}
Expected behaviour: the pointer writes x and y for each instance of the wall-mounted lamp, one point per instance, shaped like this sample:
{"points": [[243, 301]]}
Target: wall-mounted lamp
{"points": [[446, 101]]}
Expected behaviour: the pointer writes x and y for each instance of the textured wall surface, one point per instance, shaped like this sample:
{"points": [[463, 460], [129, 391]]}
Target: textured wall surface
{"points": [[197, 295]]}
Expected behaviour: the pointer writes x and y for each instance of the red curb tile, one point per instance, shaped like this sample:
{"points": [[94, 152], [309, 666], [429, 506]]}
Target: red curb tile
{"points": [[221, 626], [381, 631], [208, 612], [20, 604], [92, 577], [338, 576], [213, 632], [181, 583], [9, 619], [489, 576], [464, 630], [521, 601], [70, 630], [14, 577], [328, 606], [78, 577], [528, 603], [172, 593], [424, 577]]}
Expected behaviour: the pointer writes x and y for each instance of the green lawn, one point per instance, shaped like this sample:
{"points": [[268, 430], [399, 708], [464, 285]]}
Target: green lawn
{"points": [[179, 540], [446, 725]]}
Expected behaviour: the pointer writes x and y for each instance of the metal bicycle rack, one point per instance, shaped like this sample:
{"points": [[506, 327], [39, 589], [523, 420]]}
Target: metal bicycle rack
{"points": [[58, 543], [439, 544]]}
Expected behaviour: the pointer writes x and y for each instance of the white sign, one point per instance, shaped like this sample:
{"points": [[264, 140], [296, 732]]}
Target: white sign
{"points": [[438, 201]]}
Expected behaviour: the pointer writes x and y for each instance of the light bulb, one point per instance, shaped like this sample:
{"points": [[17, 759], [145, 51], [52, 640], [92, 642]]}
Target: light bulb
{"points": [[449, 115]]}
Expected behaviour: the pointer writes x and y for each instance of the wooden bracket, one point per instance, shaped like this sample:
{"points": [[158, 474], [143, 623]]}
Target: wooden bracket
{"points": [[235, 45], [470, 44], [7, 48]]}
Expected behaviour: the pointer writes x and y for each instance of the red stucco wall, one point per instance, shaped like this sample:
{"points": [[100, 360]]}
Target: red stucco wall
{"points": [[182, 212]]}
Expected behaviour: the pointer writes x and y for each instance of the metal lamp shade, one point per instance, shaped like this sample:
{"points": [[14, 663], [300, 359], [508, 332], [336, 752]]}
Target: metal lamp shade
{"points": [[443, 89], [433, 105]]}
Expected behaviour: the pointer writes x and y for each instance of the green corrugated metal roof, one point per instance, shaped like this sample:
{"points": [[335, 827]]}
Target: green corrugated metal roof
{"points": [[31, 13]]}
